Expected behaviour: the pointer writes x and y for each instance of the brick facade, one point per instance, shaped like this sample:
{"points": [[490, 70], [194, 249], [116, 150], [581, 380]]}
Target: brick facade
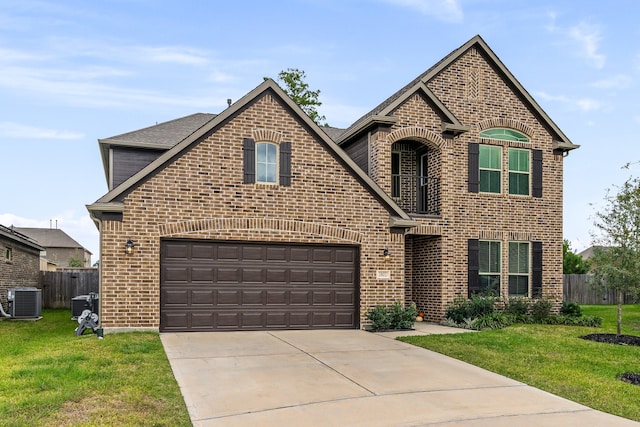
{"points": [[22, 270], [201, 195], [198, 192]]}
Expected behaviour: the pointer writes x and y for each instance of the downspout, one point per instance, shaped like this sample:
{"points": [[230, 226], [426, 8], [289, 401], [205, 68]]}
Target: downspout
{"points": [[2, 313], [99, 222]]}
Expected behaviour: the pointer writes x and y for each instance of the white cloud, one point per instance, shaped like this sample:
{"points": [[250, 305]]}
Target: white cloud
{"points": [[445, 10], [620, 81], [10, 130], [588, 38], [582, 104], [171, 54]]}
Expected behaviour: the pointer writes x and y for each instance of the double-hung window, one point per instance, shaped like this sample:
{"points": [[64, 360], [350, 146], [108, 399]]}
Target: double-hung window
{"points": [[489, 267], [266, 162], [519, 171], [395, 174], [490, 168], [519, 272]]}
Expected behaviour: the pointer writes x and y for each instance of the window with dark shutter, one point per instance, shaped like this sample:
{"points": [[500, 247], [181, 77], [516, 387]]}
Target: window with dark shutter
{"points": [[474, 167], [474, 266], [536, 188], [285, 163], [536, 269], [249, 158]]}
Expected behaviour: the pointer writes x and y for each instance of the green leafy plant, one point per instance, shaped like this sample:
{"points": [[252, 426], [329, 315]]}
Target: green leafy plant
{"points": [[541, 309], [516, 306], [570, 309], [395, 316]]}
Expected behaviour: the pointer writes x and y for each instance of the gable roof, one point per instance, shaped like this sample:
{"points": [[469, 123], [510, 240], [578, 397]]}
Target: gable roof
{"points": [[14, 235], [109, 202], [563, 143], [51, 237], [161, 136]]}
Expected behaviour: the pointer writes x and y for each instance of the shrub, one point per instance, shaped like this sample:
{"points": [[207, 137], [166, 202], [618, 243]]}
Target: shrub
{"points": [[462, 308], [570, 309], [492, 321], [480, 306], [379, 317], [541, 309], [395, 316], [457, 310], [516, 306]]}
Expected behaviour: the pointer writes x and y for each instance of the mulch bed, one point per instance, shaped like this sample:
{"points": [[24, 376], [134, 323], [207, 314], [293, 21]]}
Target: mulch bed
{"points": [[629, 377]]}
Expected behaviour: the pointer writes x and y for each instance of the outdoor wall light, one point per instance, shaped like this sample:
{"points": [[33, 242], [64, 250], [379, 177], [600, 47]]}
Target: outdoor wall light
{"points": [[128, 247], [386, 254]]}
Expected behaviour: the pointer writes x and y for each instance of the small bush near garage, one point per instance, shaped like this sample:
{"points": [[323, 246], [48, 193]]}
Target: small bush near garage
{"points": [[391, 317]]}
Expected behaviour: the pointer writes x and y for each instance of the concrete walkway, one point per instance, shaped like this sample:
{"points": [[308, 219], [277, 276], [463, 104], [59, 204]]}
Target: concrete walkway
{"points": [[352, 378]]}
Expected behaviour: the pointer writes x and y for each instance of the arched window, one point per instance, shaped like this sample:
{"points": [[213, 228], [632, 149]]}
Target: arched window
{"points": [[266, 162], [505, 134]]}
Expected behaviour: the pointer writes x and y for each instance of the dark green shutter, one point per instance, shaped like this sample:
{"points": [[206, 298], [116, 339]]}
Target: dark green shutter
{"points": [[536, 189], [249, 156], [474, 167], [536, 269], [285, 163], [474, 266]]}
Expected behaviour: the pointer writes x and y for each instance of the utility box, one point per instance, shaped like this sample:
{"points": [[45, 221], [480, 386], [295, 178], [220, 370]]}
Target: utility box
{"points": [[25, 303]]}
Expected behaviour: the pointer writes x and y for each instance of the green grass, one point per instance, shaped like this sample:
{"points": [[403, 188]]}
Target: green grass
{"points": [[50, 377], [555, 359]]}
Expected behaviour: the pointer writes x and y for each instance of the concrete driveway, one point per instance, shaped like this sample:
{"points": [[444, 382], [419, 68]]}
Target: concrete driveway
{"points": [[351, 378]]}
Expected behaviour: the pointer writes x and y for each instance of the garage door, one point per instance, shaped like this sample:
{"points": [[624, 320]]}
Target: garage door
{"points": [[213, 286]]}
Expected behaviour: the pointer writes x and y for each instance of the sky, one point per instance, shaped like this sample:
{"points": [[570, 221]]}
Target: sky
{"points": [[74, 71]]}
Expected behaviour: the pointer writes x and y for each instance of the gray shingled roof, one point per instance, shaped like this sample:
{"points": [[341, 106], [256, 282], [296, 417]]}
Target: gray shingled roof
{"points": [[15, 235], [333, 133], [165, 134], [50, 237]]}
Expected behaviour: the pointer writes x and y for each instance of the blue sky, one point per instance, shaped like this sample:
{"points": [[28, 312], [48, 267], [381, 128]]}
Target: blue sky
{"points": [[75, 71]]}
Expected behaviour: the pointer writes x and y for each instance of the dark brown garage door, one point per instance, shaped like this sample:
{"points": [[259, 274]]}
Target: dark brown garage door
{"points": [[213, 286]]}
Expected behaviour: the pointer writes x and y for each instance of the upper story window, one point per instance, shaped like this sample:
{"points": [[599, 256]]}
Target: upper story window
{"points": [[524, 168], [519, 171], [504, 134], [8, 254], [490, 168], [395, 174], [266, 162]]}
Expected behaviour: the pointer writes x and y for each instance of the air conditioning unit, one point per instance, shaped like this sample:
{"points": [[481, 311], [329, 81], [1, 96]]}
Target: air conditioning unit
{"points": [[25, 302]]}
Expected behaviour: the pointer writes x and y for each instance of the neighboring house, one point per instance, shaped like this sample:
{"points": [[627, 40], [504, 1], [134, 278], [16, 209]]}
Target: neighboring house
{"points": [[19, 262], [257, 218], [60, 247], [590, 251]]}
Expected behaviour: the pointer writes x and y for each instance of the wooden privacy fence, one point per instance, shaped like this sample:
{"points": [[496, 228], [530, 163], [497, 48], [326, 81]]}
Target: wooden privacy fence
{"points": [[578, 289], [58, 287]]}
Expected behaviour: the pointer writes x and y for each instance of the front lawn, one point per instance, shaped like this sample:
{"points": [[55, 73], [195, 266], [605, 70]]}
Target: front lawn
{"points": [[555, 359], [50, 377]]}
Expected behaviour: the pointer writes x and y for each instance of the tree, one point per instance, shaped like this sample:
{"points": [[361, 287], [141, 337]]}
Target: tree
{"points": [[298, 90], [75, 261], [618, 266], [571, 262]]}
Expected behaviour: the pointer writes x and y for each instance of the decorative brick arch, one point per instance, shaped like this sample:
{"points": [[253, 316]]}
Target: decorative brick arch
{"points": [[414, 132], [506, 123], [265, 224], [266, 135]]}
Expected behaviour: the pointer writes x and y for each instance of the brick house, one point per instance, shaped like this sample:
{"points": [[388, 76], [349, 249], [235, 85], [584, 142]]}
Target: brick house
{"points": [[19, 262], [257, 218], [61, 249]]}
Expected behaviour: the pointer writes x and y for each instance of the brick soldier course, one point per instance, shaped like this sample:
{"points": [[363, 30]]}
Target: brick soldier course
{"points": [[339, 192]]}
